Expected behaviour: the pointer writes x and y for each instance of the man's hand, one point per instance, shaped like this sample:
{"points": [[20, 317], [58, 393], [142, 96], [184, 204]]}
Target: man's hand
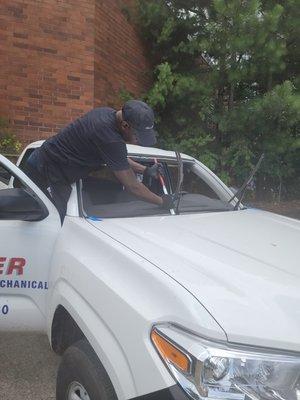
{"points": [[128, 179], [168, 201], [154, 171]]}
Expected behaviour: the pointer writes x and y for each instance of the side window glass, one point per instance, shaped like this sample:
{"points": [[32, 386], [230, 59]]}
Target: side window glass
{"points": [[4, 178], [9, 180], [16, 182], [25, 157]]}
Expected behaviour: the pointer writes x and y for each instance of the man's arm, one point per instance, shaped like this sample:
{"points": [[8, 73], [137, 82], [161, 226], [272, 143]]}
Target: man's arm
{"points": [[138, 168], [128, 179], [153, 172]]}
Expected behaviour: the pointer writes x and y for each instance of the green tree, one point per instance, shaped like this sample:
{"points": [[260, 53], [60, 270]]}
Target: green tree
{"points": [[270, 125], [224, 81]]}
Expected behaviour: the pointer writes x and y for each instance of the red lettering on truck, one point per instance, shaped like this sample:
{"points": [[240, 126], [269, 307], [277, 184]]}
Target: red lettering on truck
{"points": [[10, 265], [2, 261]]}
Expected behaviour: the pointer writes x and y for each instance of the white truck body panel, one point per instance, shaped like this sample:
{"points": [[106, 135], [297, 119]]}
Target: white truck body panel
{"points": [[119, 276], [29, 246], [253, 264]]}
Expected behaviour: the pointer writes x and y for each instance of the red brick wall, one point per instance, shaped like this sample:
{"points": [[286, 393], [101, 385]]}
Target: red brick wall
{"points": [[59, 58], [47, 56], [120, 57]]}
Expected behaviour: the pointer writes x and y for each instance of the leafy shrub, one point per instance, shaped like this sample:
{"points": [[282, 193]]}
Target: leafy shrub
{"points": [[8, 141]]}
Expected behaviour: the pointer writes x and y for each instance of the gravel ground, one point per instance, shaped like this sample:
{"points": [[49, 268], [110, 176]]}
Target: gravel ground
{"points": [[28, 367]]}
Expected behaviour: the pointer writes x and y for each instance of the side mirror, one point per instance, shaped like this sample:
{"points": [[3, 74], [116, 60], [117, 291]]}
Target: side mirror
{"points": [[17, 204]]}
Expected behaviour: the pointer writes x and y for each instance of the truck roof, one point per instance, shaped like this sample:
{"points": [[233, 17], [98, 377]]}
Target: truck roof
{"points": [[133, 150]]}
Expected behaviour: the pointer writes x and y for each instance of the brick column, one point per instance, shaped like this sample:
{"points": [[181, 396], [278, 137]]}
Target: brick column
{"points": [[47, 64], [121, 61], [60, 58]]}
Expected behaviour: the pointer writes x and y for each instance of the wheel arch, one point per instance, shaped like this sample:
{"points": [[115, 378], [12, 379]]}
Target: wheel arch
{"points": [[81, 372], [64, 331], [69, 324]]}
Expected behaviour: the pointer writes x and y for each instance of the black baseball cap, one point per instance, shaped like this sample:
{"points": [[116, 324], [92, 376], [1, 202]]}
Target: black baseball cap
{"points": [[141, 118]]}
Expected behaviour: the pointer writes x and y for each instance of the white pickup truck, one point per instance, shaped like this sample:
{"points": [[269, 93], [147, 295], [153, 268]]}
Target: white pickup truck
{"points": [[142, 304]]}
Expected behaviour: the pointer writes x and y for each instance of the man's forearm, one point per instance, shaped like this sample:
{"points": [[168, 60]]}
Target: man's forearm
{"points": [[144, 193], [138, 168], [128, 179]]}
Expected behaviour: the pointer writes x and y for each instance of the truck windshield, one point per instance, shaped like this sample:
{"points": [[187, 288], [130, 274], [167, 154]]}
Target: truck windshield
{"points": [[104, 197]]}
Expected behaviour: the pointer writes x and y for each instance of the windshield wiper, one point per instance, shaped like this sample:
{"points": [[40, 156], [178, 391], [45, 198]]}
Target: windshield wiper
{"points": [[241, 192], [179, 180]]}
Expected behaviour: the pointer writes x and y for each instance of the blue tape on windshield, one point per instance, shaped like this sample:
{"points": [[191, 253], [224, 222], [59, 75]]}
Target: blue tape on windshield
{"points": [[94, 218]]}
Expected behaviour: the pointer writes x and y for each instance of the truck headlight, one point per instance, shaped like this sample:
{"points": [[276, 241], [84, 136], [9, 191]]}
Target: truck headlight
{"points": [[208, 370]]}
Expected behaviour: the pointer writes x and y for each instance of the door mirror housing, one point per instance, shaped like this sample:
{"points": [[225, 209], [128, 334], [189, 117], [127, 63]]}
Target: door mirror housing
{"points": [[17, 204]]}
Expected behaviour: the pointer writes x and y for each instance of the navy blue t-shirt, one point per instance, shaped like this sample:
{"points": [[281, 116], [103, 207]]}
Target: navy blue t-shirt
{"points": [[85, 144]]}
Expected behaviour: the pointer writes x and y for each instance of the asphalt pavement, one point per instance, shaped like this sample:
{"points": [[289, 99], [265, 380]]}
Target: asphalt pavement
{"points": [[27, 367]]}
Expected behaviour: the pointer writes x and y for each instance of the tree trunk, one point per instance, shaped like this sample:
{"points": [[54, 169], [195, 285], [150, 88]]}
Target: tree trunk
{"points": [[231, 97], [270, 82]]}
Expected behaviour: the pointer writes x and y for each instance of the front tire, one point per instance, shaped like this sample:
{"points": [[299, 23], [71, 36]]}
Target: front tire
{"points": [[81, 376]]}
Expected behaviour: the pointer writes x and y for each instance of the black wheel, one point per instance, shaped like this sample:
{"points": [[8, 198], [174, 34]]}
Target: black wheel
{"points": [[81, 376]]}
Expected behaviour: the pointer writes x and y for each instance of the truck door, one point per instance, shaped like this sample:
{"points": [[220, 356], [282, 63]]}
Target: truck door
{"points": [[29, 226]]}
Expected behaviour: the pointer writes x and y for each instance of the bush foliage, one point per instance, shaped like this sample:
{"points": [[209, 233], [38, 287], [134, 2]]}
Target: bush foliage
{"points": [[8, 141], [226, 84]]}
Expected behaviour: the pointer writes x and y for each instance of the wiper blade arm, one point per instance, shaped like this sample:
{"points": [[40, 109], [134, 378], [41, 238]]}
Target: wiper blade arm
{"points": [[240, 193], [179, 180]]}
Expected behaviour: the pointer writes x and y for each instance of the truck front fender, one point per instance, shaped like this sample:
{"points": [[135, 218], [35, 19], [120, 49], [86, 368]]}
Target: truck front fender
{"points": [[98, 335]]}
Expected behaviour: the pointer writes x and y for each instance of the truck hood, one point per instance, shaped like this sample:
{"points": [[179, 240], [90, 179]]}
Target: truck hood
{"points": [[243, 266]]}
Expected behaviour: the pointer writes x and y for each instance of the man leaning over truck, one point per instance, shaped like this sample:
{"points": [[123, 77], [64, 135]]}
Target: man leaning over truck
{"points": [[98, 137]]}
